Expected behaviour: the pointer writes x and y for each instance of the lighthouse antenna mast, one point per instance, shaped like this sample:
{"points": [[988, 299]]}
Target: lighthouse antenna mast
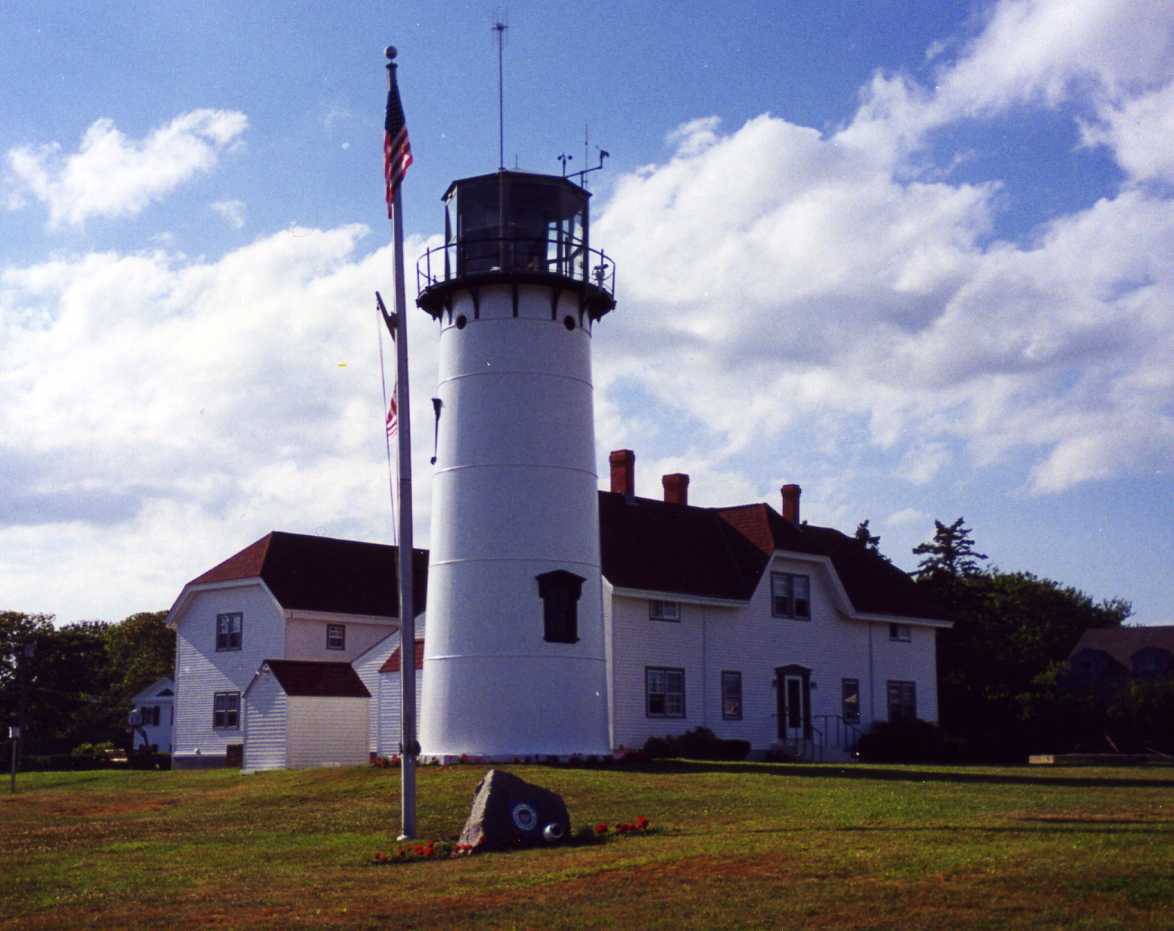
{"points": [[500, 26]]}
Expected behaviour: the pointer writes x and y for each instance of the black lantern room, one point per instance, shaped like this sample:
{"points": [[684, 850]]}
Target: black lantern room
{"points": [[515, 227]]}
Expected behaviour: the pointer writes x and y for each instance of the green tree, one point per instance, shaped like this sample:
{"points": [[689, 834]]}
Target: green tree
{"points": [[1010, 629], [950, 555], [140, 649], [865, 538]]}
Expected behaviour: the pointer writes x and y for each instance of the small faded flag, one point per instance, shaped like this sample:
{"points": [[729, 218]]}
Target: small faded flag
{"points": [[392, 414], [397, 151]]}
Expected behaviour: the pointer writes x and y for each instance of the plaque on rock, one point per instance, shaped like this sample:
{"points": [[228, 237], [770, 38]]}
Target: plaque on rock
{"points": [[510, 812]]}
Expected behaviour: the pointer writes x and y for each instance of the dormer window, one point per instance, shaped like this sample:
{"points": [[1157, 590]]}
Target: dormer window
{"points": [[790, 595], [559, 591]]}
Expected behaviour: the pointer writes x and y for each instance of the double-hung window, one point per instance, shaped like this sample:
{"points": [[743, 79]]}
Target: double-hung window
{"points": [[902, 700], [901, 632], [850, 700], [229, 629], [790, 595], [731, 695], [226, 709], [336, 636], [664, 610], [664, 692]]}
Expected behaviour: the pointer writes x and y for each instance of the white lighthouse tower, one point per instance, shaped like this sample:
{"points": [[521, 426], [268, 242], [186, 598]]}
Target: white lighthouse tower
{"points": [[514, 653]]}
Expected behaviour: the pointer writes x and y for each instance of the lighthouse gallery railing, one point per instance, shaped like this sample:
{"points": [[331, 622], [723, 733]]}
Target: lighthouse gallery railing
{"points": [[515, 256]]}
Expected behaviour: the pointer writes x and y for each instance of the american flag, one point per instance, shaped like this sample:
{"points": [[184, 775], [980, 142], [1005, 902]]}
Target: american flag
{"points": [[392, 414], [397, 151]]}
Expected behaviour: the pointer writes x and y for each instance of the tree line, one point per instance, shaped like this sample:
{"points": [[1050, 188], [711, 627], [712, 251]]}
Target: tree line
{"points": [[75, 684], [1004, 685]]}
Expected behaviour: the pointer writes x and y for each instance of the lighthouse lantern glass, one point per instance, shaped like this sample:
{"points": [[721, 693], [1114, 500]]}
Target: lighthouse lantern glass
{"points": [[515, 222]]}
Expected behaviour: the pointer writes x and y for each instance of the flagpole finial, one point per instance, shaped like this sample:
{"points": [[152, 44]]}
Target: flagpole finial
{"points": [[390, 53]]}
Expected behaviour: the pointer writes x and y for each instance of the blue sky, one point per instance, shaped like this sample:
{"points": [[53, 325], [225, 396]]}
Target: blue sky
{"points": [[915, 257]]}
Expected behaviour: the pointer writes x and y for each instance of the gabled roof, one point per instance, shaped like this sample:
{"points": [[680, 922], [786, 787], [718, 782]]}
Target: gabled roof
{"points": [[1122, 642], [161, 688], [317, 679], [324, 574], [722, 552]]}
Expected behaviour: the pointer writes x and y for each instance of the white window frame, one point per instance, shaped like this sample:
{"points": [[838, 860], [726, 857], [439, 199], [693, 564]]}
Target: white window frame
{"points": [[224, 705], [228, 639], [785, 598], [901, 633], [853, 718], [731, 707], [901, 688], [664, 611], [672, 699], [340, 629]]}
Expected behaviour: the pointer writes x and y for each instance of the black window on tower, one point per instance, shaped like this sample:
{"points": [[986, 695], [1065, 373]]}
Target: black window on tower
{"points": [[559, 591]]}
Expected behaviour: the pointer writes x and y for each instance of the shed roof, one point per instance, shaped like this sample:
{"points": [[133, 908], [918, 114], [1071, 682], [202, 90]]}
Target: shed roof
{"points": [[325, 574], [317, 678]]}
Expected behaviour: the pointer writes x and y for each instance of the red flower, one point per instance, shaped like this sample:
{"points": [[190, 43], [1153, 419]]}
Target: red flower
{"points": [[641, 823], [601, 828]]}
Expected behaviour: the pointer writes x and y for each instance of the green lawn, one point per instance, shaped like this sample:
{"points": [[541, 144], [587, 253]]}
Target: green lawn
{"points": [[752, 845]]}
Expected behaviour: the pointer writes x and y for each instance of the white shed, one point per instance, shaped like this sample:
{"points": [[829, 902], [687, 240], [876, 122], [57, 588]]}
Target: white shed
{"points": [[301, 713]]}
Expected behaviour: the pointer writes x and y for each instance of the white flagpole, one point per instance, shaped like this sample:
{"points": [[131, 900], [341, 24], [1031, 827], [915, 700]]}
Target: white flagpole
{"points": [[409, 748]]}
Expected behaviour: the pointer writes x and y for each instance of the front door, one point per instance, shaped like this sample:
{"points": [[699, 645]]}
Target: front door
{"points": [[792, 701]]}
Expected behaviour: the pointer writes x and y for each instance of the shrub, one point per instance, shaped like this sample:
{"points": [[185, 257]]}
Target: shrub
{"points": [[907, 742], [699, 743]]}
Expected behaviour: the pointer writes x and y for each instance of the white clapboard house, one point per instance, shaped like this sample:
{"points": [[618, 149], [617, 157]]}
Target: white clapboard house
{"points": [[285, 597], [744, 620], [156, 708]]}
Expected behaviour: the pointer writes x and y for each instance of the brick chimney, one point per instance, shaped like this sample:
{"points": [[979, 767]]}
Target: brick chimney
{"points": [[791, 495], [676, 488], [623, 471]]}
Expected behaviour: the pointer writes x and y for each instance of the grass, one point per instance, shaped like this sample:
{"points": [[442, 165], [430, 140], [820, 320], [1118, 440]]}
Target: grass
{"points": [[733, 845]]}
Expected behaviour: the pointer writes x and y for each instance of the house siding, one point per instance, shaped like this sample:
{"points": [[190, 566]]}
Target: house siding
{"points": [[306, 638], [201, 671], [367, 669], [326, 731], [389, 709], [750, 640], [266, 711]]}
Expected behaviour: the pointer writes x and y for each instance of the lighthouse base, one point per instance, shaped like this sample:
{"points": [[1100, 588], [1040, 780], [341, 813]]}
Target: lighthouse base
{"points": [[478, 707]]}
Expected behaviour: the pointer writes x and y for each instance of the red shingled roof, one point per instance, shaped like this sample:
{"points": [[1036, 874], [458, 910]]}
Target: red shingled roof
{"points": [[324, 574], [391, 664], [318, 679]]}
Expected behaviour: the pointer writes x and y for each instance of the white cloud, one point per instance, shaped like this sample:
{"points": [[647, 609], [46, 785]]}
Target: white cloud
{"points": [[160, 412], [907, 517], [1140, 133], [1101, 53], [775, 279], [113, 176], [233, 212]]}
